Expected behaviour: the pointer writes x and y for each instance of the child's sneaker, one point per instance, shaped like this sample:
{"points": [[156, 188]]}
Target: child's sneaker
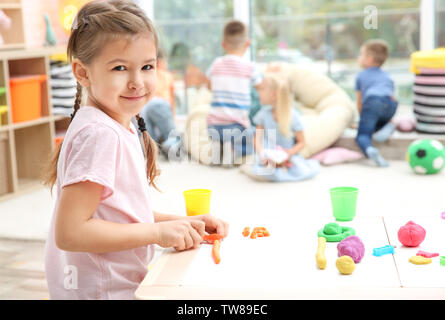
{"points": [[374, 155], [384, 133]]}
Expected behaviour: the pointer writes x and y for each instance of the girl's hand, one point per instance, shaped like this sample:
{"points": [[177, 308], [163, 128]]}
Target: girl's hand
{"points": [[211, 224], [180, 234]]}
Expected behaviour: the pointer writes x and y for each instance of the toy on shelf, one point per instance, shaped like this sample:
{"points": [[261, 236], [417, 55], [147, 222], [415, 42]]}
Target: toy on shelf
{"points": [[320, 257], [426, 156], [50, 38], [378, 252], [5, 24], [335, 233], [351, 246], [411, 234]]}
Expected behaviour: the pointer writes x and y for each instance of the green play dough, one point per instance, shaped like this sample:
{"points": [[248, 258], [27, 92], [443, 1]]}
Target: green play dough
{"points": [[335, 233]]}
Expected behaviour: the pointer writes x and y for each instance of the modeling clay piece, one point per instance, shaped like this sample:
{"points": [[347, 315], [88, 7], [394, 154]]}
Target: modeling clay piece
{"points": [[257, 232], [215, 251], [420, 260], [351, 246], [320, 256], [426, 254], [411, 234], [345, 265], [442, 260], [443, 215], [212, 237], [334, 233], [383, 250]]}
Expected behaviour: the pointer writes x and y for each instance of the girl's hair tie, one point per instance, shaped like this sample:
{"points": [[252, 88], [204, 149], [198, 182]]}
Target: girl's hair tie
{"points": [[141, 124]]}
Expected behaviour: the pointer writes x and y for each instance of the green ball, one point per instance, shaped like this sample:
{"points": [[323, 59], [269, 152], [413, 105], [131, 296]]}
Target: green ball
{"points": [[426, 156]]}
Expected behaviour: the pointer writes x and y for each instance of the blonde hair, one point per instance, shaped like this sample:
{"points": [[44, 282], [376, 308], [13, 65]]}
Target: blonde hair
{"points": [[377, 49], [235, 34], [97, 23], [284, 101]]}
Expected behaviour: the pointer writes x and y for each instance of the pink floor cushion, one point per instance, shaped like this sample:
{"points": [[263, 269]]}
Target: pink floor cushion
{"points": [[332, 156]]}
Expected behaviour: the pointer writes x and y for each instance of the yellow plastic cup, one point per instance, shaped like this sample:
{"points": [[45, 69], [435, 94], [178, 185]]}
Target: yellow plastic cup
{"points": [[197, 201]]}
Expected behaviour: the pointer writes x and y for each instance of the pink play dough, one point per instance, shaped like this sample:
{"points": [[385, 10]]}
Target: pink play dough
{"points": [[351, 246], [411, 234]]}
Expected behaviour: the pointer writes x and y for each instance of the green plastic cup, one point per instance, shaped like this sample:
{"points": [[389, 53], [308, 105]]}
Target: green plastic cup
{"points": [[344, 202]]}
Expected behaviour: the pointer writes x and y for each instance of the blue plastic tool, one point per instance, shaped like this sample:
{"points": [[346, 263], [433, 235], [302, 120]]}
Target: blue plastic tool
{"points": [[383, 250]]}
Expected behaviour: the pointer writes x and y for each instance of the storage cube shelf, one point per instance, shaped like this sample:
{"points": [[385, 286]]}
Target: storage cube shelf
{"points": [[14, 38], [26, 145]]}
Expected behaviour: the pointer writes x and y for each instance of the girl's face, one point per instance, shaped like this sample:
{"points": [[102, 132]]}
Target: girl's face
{"points": [[268, 96], [122, 78]]}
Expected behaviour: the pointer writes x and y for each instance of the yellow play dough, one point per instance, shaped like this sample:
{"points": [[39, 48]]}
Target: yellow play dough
{"points": [[345, 265], [420, 260], [320, 256]]}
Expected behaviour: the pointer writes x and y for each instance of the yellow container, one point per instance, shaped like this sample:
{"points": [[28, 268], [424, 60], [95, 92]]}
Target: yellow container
{"points": [[3, 111], [434, 59], [197, 201]]}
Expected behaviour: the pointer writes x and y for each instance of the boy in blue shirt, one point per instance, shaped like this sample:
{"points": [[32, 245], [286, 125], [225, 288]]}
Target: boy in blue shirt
{"points": [[375, 99]]}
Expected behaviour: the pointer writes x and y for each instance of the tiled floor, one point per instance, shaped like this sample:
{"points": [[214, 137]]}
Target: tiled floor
{"points": [[22, 272]]}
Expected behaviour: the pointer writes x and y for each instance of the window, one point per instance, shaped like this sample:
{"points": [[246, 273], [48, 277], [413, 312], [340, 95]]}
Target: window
{"points": [[328, 34], [190, 33]]}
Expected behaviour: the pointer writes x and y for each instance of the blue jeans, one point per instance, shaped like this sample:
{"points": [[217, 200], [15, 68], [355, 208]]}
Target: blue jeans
{"points": [[241, 137], [376, 112], [158, 119]]}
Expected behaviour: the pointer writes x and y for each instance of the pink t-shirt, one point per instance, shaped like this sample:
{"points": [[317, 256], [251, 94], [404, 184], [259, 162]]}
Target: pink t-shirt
{"points": [[98, 149]]}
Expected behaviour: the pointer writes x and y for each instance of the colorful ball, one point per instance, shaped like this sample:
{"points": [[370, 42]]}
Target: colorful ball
{"points": [[411, 234], [426, 156]]}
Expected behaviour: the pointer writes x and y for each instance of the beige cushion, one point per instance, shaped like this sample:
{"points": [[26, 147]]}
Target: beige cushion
{"points": [[327, 110]]}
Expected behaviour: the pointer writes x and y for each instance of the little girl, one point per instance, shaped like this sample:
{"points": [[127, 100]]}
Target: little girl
{"points": [[279, 136], [103, 229]]}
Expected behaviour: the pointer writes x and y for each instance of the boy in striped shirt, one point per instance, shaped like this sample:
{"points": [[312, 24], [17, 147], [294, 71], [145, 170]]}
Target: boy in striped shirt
{"points": [[231, 77]]}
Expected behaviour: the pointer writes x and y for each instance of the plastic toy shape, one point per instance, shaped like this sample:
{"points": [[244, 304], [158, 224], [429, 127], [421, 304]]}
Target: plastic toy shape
{"points": [[378, 252], [335, 233], [420, 260], [50, 37], [426, 254], [351, 246], [411, 234]]}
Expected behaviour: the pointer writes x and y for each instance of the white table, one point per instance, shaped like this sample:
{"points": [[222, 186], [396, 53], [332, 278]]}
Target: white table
{"points": [[283, 266], [417, 276]]}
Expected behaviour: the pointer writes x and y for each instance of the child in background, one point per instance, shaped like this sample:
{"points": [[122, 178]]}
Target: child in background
{"points": [[103, 228], [231, 78], [278, 128], [159, 113], [375, 99]]}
